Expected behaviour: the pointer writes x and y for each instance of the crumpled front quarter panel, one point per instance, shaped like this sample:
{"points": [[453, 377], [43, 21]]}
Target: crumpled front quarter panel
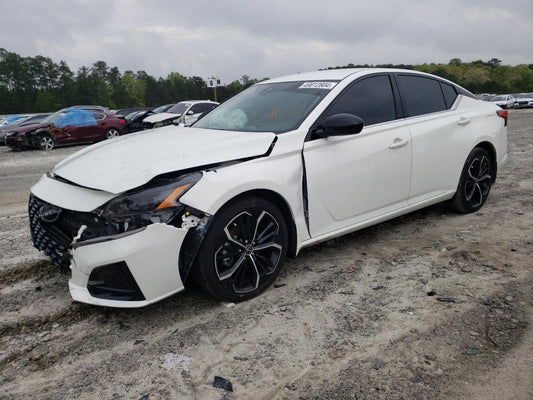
{"points": [[281, 173]]}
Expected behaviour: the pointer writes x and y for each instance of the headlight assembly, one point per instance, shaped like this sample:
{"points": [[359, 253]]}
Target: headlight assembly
{"points": [[153, 203]]}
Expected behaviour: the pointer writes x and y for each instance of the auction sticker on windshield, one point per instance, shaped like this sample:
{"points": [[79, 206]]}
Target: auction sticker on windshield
{"points": [[318, 85]]}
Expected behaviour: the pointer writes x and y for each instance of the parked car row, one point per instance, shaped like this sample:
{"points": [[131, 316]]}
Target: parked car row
{"points": [[520, 100], [89, 124], [73, 125]]}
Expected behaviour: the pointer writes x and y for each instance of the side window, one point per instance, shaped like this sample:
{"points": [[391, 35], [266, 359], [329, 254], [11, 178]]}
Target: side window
{"points": [[202, 107], [449, 94], [197, 108], [208, 107], [371, 99], [420, 95], [99, 116]]}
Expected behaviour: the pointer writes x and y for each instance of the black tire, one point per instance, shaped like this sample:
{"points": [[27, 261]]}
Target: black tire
{"points": [[243, 251], [46, 142], [112, 133], [475, 183]]}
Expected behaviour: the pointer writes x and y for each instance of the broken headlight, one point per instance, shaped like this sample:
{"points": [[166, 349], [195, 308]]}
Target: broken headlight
{"points": [[153, 203]]}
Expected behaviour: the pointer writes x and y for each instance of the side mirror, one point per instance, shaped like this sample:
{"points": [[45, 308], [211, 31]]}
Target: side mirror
{"points": [[340, 124], [190, 112]]}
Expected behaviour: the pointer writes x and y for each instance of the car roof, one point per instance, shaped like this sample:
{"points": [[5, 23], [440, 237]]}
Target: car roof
{"points": [[330, 74], [342, 73], [196, 101]]}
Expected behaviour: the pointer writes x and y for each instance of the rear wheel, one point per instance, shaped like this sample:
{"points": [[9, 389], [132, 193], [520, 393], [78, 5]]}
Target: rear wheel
{"points": [[46, 143], [243, 250], [112, 133], [476, 180]]}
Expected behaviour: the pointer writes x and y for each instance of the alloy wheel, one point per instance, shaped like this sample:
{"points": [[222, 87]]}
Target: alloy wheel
{"points": [[249, 251], [479, 179], [47, 143], [112, 133]]}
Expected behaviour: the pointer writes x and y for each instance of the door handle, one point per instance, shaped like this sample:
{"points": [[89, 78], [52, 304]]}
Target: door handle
{"points": [[463, 121], [398, 142]]}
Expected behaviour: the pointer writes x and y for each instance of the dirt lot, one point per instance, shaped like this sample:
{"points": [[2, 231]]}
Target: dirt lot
{"points": [[433, 305]]}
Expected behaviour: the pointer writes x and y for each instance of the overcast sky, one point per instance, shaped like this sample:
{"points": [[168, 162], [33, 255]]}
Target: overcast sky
{"points": [[265, 38]]}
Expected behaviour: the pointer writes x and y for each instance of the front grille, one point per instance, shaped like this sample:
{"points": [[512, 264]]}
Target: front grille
{"points": [[54, 238], [46, 237]]}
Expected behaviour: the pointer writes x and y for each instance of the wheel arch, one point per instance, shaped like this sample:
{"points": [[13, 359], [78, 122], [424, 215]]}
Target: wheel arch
{"points": [[281, 204], [188, 257], [489, 147]]}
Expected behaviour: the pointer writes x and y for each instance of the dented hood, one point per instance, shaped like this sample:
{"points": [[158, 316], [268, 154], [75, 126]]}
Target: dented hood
{"points": [[130, 161]]}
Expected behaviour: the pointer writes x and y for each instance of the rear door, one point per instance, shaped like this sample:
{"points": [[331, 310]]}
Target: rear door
{"points": [[439, 134]]}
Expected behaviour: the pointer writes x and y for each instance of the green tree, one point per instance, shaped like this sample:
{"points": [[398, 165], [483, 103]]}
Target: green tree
{"points": [[133, 90], [475, 77]]}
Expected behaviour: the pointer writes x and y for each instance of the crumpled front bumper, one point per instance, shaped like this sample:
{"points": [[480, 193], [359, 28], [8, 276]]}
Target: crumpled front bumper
{"points": [[151, 256]]}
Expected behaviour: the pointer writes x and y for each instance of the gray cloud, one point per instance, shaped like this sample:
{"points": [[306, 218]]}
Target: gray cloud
{"points": [[265, 39]]}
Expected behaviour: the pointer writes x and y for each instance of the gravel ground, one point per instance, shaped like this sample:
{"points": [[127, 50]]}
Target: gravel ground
{"points": [[432, 305]]}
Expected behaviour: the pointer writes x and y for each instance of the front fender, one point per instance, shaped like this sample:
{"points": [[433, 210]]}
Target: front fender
{"points": [[278, 174]]}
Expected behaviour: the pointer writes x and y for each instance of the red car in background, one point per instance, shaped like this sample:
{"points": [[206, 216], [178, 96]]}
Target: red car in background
{"points": [[67, 126]]}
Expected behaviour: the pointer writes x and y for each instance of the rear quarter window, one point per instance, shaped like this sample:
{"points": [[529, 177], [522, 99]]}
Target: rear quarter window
{"points": [[449, 94]]}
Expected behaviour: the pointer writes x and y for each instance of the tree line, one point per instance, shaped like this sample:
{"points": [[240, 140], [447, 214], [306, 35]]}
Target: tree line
{"points": [[477, 76], [38, 84]]}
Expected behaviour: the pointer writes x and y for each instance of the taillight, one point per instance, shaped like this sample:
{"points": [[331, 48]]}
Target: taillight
{"points": [[504, 114]]}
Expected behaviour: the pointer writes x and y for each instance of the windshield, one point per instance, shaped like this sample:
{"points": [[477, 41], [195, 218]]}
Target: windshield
{"points": [[179, 108], [161, 109], [52, 117], [70, 115], [132, 115], [271, 107]]}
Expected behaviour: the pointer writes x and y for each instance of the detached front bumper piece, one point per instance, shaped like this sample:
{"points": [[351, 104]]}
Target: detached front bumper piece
{"points": [[132, 270]]}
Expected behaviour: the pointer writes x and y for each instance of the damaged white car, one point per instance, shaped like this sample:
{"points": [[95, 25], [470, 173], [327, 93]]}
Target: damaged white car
{"points": [[285, 164]]}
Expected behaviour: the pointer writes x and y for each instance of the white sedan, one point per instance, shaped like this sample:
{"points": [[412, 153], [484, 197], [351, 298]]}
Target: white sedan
{"points": [[505, 101], [184, 112], [285, 164]]}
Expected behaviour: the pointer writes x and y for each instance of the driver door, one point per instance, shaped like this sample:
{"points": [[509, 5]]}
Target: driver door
{"points": [[355, 178]]}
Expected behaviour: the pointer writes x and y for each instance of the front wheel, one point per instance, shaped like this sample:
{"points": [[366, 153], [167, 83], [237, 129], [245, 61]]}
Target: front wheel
{"points": [[243, 250], [46, 143], [112, 133], [475, 182]]}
